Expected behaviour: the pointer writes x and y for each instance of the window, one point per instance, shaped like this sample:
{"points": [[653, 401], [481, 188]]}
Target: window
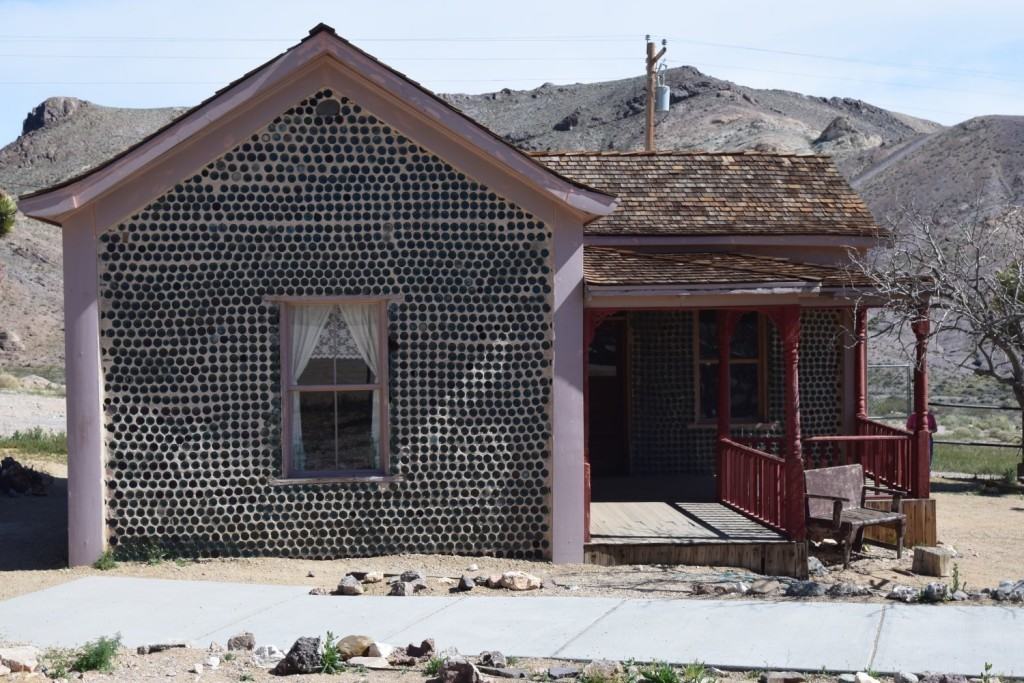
{"points": [[746, 368], [334, 370]]}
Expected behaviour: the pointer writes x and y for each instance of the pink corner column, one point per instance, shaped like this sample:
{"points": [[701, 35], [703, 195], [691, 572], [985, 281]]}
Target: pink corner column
{"points": [[86, 500], [567, 475]]}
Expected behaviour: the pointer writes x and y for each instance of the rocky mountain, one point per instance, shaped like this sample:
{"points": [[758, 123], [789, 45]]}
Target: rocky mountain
{"points": [[892, 158]]}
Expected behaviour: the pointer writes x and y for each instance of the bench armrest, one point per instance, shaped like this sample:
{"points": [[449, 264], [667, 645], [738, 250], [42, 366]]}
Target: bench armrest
{"points": [[837, 507], [897, 496]]}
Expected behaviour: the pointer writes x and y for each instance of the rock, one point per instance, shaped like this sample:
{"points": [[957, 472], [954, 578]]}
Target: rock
{"points": [[212, 662], [466, 583], [20, 658], [302, 658], [765, 587], [310, 575], [781, 677], [845, 589], [401, 588], [494, 581], [943, 678], [559, 672], [419, 585], [732, 588], [905, 677], [481, 580], [412, 575], [381, 650], [932, 561], [370, 662], [267, 656], [904, 594], [569, 122], [353, 646], [197, 668], [520, 581], [243, 641], [862, 677], [602, 670], [319, 590], [357, 575], [847, 678], [4, 670], [350, 585], [49, 111], [424, 649], [503, 673], [959, 596], [458, 670], [215, 647], [1009, 590], [493, 658], [373, 577], [159, 647], [815, 567], [805, 589], [472, 568], [935, 592]]}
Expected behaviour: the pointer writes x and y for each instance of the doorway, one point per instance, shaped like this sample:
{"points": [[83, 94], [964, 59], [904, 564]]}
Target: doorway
{"points": [[608, 411]]}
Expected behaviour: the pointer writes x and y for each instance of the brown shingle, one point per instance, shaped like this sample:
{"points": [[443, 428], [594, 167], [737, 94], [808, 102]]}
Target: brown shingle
{"points": [[683, 193], [619, 266]]}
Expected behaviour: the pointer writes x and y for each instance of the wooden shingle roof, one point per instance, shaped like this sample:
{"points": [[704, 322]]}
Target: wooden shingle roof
{"points": [[622, 266], [682, 193]]}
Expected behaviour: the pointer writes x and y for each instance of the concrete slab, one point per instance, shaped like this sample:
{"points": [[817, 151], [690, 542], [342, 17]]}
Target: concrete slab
{"points": [[951, 638], [747, 634], [520, 627], [141, 610]]}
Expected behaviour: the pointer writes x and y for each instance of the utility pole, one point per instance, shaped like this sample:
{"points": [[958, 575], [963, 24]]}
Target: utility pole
{"points": [[652, 64]]}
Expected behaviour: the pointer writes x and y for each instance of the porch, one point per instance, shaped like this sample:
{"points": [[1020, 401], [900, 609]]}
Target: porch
{"points": [[742, 435]]}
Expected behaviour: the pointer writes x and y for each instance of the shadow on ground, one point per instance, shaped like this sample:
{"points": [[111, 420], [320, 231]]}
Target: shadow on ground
{"points": [[34, 529]]}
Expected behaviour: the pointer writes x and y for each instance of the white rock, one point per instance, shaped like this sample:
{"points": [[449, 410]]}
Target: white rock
{"points": [[267, 656], [212, 662], [350, 586], [197, 668], [472, 568], [20, 658], [382, 650], [862, 677], [215, 647], [447, 581], [4, 670], [847, 678], [373, 577], [370, 662], [520, 581], [905, 677]]}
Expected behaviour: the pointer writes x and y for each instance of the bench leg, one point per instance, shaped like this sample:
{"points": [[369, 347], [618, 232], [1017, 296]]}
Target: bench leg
{"points": [[901, 528], [848, 543]]}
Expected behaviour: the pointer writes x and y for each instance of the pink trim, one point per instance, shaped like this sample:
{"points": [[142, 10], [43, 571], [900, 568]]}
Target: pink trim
{"points": [[351, 66], [568, 480], [87, 537]]}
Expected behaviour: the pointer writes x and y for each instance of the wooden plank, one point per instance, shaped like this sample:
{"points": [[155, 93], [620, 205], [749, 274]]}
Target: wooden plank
{"points": [[933, 561], [783, 559], [921, 523]]}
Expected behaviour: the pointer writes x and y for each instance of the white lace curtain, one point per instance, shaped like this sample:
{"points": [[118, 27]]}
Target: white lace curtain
{"points": [[307, 323]]}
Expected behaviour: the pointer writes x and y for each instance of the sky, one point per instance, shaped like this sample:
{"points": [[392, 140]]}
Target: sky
{"points": [[943, 60]]}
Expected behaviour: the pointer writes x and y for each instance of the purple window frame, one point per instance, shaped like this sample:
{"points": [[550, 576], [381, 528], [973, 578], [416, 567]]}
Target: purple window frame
{"points": [[285, 306]]}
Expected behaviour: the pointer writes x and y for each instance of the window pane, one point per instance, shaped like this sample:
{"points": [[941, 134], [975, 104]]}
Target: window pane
{"points": [[744, 393], [708, 324], [335, 431], [603, 359], [745, 338], [334, 344]]}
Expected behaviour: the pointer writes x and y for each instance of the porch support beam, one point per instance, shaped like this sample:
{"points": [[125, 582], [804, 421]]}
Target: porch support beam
{"points": [[921, 482], [787, 319], [726, 325], [860, 361]]}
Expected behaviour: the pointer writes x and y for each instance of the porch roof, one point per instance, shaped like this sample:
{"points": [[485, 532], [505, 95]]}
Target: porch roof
{"points": [[625, 267]]}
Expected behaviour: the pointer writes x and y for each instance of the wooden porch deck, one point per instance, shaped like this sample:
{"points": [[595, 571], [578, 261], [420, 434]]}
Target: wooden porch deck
{"points": [[689, 533]]}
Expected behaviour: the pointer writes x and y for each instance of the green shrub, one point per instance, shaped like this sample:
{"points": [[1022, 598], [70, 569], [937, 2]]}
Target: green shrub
{"points": [[97, 655], [9, 381], [106, 561], [8, 209], [659, 672], [331, 661], [37, 441], [433, 667], [695, 672]]}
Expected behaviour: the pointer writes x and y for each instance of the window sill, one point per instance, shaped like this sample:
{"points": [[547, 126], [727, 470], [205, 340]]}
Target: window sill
{"points": [[341, 479]]}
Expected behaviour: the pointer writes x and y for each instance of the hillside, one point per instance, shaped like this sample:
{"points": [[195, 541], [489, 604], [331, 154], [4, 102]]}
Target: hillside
{"points": [[892, 158]]}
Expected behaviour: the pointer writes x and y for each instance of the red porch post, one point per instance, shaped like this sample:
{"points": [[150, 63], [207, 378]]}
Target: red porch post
{"points": [[726, 325], [788, 322], [860, 361], [921, 478]]}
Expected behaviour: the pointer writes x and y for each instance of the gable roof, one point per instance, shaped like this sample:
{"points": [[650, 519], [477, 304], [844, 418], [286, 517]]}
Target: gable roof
{"points": [[689, 194], [54, 203], [624, 267]]}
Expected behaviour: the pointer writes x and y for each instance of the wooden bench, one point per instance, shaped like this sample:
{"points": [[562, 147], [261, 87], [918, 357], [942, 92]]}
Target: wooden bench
{"points": [[835, 508]]}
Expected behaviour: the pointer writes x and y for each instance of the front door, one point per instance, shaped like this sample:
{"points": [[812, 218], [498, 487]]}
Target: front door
{"points": [[607, 405]]}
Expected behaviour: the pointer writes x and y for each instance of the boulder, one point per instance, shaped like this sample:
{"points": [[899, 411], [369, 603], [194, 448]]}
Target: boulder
{"points": [[20, 658], [4, 670], [943, 678], [494, 581], [560, 672], [765, 587], [520, 581], [1009, 590], [482, 580], [212, 662], [267, 656], [732, 588], [381, 650], [370, 662], [424, 649], [353, 646], [935, 592], [904, 594], [905, 677], [494, 659], [401, 588], [373, 577], [805, 589], [458, 670], [602, 670], [846, 589], [413, 575], [862, 677], [847, 678], [781, 677], [815, 567], [466, 583], [302, 658], [242, 641], [350, 585], [959, 596]]}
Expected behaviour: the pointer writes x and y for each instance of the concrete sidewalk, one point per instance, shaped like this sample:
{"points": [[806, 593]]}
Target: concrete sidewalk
{"points": [[726, 633]]}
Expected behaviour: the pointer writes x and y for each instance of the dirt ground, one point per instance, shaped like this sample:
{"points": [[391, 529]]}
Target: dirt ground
{"points": [[21, 410], [986, 531]]}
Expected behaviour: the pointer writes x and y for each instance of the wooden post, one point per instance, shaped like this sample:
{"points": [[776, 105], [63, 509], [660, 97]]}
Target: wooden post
{"points": [[860, 361], [652, 62], [921, 481], [788, 321], [726, 324]]}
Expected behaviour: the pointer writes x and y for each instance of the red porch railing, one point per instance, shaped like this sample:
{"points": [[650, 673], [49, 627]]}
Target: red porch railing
{"points": [[885, 453], [753, 482]]}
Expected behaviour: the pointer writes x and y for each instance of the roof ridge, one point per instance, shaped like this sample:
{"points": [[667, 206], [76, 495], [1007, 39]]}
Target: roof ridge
{"points": [[674, 153]]}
